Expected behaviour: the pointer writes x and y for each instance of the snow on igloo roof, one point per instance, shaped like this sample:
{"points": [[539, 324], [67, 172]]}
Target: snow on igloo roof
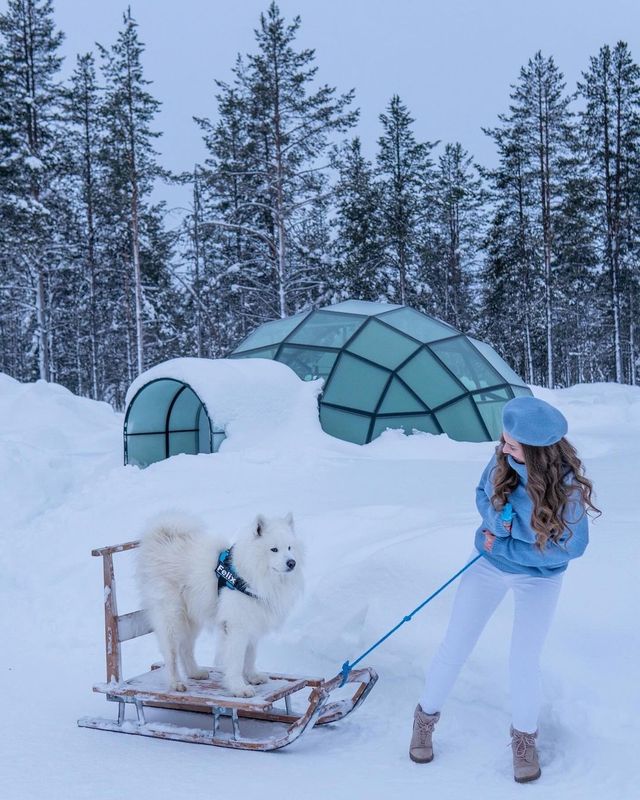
{"points": [[252, 399], [366, 307]]}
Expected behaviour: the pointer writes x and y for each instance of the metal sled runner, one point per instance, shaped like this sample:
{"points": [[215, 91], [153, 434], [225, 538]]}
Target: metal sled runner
{"points": [[272, 726]]}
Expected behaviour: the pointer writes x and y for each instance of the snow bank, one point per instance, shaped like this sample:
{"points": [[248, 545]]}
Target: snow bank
{"points": [[46, 433], [383, 524]]}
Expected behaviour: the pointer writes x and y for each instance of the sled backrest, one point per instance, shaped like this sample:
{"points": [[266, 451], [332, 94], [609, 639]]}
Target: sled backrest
{"points": [[118, 629]]}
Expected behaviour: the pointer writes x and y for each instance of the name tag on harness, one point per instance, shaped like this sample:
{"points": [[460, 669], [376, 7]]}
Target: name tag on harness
{"points": [[225, 574]]}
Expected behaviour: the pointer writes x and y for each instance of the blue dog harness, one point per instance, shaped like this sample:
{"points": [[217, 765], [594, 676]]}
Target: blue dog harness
{"points": [[227, 576]]}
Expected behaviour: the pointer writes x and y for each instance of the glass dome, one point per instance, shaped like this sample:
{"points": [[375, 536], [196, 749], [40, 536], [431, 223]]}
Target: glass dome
{"points": [[165, 418], [389, 366]]}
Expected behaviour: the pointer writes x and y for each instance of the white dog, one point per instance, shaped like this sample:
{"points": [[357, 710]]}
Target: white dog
{"points": [[185, 585]]}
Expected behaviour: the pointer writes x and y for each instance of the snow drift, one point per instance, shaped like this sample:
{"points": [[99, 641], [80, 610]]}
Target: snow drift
{"points": [[384, 525]]}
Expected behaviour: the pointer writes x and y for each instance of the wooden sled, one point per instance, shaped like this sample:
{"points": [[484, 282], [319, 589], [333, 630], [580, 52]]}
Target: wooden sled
{"points": [[273, 726]]}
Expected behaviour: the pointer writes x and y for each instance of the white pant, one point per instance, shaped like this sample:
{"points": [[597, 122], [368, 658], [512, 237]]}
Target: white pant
{"points": [[481, 589]]}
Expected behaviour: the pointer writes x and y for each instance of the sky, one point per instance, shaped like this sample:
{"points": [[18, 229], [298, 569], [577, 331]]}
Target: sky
{"points": [[451, 63]]}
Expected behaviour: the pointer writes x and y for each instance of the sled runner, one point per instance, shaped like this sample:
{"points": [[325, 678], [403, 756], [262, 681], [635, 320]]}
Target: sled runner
{"points": [[268, 720]]}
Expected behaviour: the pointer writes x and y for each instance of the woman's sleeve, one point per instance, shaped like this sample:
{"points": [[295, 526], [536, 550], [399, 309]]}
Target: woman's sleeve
{"points": [[490, 517], [571, 544]]}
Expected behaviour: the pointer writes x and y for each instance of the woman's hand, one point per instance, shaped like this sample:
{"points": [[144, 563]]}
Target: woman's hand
{"points": [[489, 539]]}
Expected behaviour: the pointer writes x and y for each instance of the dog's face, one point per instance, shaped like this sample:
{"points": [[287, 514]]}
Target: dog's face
{"points": [[276, 538]]}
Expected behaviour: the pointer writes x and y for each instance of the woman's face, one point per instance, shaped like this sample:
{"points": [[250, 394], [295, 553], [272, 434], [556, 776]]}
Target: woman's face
{"points": [[512, 448]]}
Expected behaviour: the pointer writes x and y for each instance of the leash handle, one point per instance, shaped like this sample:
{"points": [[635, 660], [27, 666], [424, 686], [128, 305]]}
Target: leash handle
{"points": [[347, 667]]}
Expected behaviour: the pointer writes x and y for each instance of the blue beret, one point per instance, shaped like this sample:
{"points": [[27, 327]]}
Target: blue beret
{"points": [[532, 421]]}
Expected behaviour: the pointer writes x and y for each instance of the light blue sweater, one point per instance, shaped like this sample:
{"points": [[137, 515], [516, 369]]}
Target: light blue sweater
{"points": [[515, 551]]}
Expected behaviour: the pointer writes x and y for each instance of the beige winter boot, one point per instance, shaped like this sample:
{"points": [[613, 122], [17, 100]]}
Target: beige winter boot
{"points": [[421, 748], [526, 766]]}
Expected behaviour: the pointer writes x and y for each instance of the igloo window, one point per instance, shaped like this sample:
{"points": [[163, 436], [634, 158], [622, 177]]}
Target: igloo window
{"points": [[382, 344], [355, 384], [425, 329], [325, 330], [307, 363], [271, 332], [466, 363], [345, 424]]}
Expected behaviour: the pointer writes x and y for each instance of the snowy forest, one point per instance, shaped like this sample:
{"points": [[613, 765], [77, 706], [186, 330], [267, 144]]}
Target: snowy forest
{"points": [[539, 255]]}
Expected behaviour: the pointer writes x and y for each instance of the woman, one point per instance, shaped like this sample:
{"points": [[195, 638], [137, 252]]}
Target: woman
{"points": [[533, 499]]}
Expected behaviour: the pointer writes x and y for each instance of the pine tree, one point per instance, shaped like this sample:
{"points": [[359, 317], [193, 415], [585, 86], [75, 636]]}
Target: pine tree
{"points": [[578, 329], [84, 146], [610, 124], [229, 223], [534, 147], [513, 277], [458, 229], [274, 193], [405, 176], [359, 269], [540, 106], [130, 161], [30, 63]]}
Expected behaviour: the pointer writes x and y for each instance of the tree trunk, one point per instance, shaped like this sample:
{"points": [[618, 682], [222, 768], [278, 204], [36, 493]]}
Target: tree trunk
{"points": [[545, 205], [41, 328], [134, 227], [196, 253]]}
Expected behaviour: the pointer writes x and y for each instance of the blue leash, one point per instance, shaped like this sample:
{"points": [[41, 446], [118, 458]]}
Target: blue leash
{"points": [[347, 667]]}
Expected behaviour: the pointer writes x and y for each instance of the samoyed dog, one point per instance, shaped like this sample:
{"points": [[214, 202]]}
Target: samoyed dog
{"points": [[185, 585]]}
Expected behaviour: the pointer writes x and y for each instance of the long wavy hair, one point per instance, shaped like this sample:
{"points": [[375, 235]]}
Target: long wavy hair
{"points": [[547, 486]]}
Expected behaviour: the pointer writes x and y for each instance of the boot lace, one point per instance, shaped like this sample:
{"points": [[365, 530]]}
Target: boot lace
{"points": [[524, 744], [425, 725]]}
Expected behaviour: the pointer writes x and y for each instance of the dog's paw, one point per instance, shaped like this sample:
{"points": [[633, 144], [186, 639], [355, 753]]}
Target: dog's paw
{"points": [[257, 678], [200, 675], [178, 686], [242, 690]]}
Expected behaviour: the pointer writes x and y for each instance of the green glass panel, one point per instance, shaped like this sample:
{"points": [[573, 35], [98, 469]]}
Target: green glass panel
{"points": [[490, 406], [365, 307], [460, 421], [308, 364], [325, 329], [264, 352], [204, 440], [382, 345], [399, 400], [465, 363], [148, 411], [499, 363], [429, 380], [145, 449], [521, 391], [420, 326], [270, 332], [355, 384], [423, 422], [218, 438], [183, 443], [345, 425], [184, 414]]}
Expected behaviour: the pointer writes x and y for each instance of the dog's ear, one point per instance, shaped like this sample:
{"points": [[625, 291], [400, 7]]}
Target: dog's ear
{"points": [[259, 525], [289, 520]]}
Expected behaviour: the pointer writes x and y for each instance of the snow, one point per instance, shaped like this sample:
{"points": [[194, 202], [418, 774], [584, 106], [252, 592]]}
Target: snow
{"points": [[34, 162], [384, 525], [361, 307]]}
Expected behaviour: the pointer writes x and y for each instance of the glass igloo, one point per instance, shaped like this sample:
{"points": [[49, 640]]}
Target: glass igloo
{"points": [[390, 366]]}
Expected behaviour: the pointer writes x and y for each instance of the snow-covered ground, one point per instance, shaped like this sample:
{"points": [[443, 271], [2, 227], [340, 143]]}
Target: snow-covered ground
{"points": [[384, 525]]}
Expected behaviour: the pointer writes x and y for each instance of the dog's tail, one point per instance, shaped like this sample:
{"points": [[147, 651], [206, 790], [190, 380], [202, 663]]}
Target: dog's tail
{"points": [[172, 527]]}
